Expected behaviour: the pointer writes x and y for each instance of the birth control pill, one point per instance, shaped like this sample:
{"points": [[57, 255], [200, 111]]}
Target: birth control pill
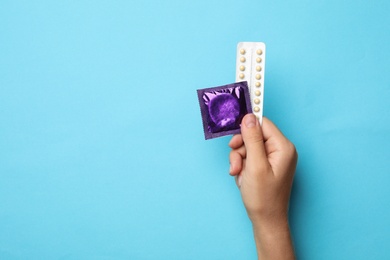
{"points": [[250, 67]]}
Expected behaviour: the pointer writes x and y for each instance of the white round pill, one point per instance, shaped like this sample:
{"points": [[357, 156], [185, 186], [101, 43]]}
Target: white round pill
{"points": [[242, 67], [242, 59], [259, 52], [256, 109], [242, 51], [258, 76], [257, 101], [258, 68], [258, 59], [257, 84], [242, 75], [257, 92]]}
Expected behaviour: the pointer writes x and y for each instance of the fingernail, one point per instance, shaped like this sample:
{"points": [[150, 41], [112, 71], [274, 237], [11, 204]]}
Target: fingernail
{"points": [[230, 169], [250, 120], [239, 179]]}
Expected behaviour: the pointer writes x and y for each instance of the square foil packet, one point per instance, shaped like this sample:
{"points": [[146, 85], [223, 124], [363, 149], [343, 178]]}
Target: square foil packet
{"points": [[223, 108]]}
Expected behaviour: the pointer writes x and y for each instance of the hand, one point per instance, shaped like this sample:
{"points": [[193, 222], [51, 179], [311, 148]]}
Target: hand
{"points": [[263, 161]]}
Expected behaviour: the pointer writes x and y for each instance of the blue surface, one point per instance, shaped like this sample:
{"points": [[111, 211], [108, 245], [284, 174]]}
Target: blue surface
{"points": [[102, 154]]}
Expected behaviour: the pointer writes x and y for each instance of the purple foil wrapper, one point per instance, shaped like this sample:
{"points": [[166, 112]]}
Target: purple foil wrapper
{"points": [[223, 108]]}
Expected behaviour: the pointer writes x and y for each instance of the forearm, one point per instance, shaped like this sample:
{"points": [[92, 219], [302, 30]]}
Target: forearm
{"points": [[273, 240], [264, 162]]}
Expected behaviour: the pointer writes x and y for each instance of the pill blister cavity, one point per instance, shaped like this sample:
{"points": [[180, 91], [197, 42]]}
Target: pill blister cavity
{"points": [[250, 66]]}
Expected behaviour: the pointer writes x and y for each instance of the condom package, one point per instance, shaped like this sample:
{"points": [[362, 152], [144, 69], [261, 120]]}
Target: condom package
{"points": [[223, 108]]}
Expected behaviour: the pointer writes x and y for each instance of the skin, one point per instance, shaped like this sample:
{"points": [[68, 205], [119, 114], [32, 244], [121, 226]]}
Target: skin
{"points": [[263, 162]]}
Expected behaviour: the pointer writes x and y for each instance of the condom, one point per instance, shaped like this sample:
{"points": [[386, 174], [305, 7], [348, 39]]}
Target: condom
{"points": [[222, 108]]}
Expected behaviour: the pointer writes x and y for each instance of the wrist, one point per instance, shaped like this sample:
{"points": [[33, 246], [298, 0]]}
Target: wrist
{"points": [[275, 224], [269, 219], [273, 238]]}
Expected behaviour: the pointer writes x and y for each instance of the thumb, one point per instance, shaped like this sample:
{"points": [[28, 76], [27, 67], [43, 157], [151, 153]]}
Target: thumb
{"points": [[252, 136]]}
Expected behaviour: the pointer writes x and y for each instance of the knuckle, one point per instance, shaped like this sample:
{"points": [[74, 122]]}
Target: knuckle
{"points": [[232, 155], [291, 150], [255, 139], [289, 147]]}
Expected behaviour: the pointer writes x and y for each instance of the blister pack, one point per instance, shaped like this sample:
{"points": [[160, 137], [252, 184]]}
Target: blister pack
{"points": [[250, 67], [223, 108]]}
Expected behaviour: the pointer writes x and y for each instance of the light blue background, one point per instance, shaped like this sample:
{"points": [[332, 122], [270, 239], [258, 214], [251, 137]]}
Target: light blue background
{"points": [[102, 154]]}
